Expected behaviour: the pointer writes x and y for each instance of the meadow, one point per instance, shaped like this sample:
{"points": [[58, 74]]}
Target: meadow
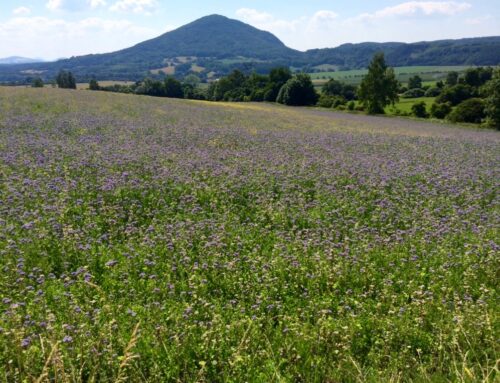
{"points": [[158, 240], [429, 74]]}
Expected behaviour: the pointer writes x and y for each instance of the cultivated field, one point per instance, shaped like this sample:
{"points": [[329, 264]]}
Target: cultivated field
{"points": [[155, 240], [430, 74]]}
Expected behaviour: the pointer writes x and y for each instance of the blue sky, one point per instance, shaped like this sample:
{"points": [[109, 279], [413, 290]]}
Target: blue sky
{"points": [[61, 28]]}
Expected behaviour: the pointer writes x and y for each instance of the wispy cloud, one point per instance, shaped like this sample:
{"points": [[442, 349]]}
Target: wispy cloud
{"points": [[135, 6], [267, 21], [74, 5], [21, 11], [69, 38], [414, 8]]}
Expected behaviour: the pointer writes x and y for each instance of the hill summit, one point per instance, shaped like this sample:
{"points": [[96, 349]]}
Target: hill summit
{"points": [[215, 36], [215, 45]]}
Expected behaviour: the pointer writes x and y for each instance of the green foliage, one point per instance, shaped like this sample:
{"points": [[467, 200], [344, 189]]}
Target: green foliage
{"points": [[93, 84], [193, 93], [332, 88], [229, 88], [298, 91], [455, 94], [337, 88], [379, 87], [326, 101], [419, 110], [440, 110], [477, 77], [173, 88], [192, 80], [414, 93], [492, 105], [452, 78], [471, 110], [415, 82], [433, 91], [277, 78], [66, 80], [150, 87], [37, 83]]}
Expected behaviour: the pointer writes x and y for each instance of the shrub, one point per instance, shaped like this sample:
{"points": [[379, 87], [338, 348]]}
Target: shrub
{"points": [[455, 94], [433, 92], [414, 93], [93, 84], [325, 101], [351, 105], [471, 110], [415, 82], [37, 83], [440, 110], [298, 91], [419, 110]]}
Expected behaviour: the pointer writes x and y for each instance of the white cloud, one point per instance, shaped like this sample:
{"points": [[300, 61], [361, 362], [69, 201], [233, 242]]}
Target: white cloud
{"points": [[21, 11], [268, 22], [408, 21], [54, 5], [135, 6], [74, 5], [28, 36], [324, 16], [412, 8], [254, 16], [97, 3]]}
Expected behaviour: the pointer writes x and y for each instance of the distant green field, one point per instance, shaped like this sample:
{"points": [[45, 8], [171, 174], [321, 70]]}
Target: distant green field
{"points": [[428, 73], [405, 104]]}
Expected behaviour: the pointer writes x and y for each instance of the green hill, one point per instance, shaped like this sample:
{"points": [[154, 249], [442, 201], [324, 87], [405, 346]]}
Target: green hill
{"points": [[472, 51], [214, 45]]}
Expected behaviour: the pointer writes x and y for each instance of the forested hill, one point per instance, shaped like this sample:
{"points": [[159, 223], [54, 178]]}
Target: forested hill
{"points": [[214, 45], [472, 51]]}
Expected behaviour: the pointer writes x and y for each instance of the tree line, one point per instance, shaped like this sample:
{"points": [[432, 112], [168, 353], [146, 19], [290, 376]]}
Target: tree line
{"points": [[471, 97]]}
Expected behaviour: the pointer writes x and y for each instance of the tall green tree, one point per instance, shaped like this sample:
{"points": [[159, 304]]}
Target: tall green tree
{"points": [[66, 80], [277, 78], [415, 82], [173, 88], [452, 78], [379, 87], [492, 105]]}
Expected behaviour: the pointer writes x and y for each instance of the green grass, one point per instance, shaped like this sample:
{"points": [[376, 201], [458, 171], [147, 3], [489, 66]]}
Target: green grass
{"points": [[428, 73], [405, 104]]}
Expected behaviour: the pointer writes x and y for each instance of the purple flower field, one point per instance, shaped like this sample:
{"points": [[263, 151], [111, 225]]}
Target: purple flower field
{"points": [[157, 240]]}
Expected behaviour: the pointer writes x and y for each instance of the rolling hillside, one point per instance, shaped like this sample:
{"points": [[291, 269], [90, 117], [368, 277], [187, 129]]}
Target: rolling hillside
{"points": [[214, 45]]}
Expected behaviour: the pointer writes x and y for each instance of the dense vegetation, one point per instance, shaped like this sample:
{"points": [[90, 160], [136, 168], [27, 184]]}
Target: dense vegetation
{"points": [[215, 46], [471, 97], [154, 240]]}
